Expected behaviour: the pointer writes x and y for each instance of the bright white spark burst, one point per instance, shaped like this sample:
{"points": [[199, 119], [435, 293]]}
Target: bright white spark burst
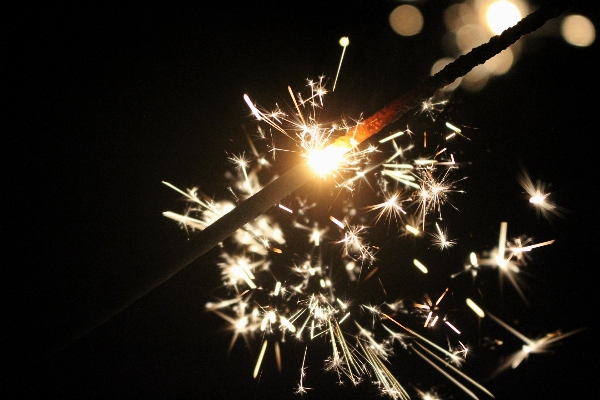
{"points": [[539, 197], [308, 292]]}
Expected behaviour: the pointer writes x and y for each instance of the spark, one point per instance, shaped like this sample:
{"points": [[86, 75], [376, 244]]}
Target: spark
{"points": [[501, 261], [394, 136], [432, 107], [427, 395], [278, 357], [412, 229], [317, 91], [344, 42], [301, 389], [429, 309], [420, 265], [508, 267], [390, 207], [455, 329], [455, 130], [241, 162], [401, 173], [441, 240], [473, 259], [476, 309], [433, 191], [317, 234], [260, 358], [285, 208], [353, 244], [538, 197], [337, 222]]}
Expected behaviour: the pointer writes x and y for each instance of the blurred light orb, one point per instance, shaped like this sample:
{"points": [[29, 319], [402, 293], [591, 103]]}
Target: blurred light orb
{"points": [[470, 36], [578, 30], [502, 14], [452, 17], [475, 79], [406, 20], [500, 63], [345, 41]]}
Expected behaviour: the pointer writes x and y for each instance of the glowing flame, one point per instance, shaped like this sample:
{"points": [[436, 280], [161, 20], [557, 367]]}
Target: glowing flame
{"points": [[328, 159]]}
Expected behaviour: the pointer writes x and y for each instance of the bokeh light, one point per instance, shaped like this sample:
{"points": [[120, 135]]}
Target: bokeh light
{"points": [[501, 15], [500, 63], [470, 36], [406, 20], [475, 80], [578, 30], [472, 23]]}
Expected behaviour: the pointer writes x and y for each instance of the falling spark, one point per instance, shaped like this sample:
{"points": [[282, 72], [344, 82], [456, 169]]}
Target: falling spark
{"points": [[259, 360], [344, 42], [392, 136], [420, 265], [337, 222], [476, 309], [454, 128], [285, 208], [455, 329], [412, 230], [500, 260], [278, 357]]}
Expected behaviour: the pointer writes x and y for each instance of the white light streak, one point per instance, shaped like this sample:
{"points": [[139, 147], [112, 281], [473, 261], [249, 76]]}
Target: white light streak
{"points": [[344, 42], [412, 229], [285, 208], [259, 360], [500, 260], [476, 309], [420, 265]]}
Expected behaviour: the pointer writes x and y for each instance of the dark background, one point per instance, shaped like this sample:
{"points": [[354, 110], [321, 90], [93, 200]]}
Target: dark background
{"points": [[102, 103]]}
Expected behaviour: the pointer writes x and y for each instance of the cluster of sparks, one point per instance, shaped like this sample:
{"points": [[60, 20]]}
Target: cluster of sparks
{"points": [[292, 275]]}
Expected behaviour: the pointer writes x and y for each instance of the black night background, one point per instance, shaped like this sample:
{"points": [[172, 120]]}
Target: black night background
{"points": [[104, 102]]}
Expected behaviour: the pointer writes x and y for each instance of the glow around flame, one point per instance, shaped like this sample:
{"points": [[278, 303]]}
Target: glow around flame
{"points": [[330, 158]]}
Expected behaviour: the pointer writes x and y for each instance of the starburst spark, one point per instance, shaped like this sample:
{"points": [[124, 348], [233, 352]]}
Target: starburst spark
{"points": [[390, 208], [539, 197], [434, 191], [440, 239]]}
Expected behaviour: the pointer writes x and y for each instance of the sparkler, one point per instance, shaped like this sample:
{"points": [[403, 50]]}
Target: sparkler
{"points": [[304, 303], [302, 173]]}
